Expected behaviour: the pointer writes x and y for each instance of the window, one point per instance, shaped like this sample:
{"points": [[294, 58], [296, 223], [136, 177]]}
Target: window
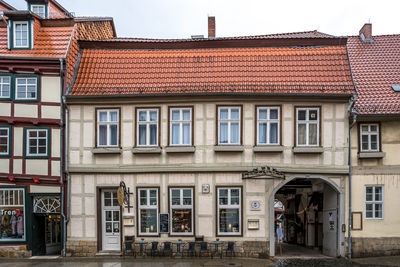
{"points": [[181, 126], [37, 142], [5, 86], [107, 127], [26, 88], [229, 125], [374, 202], [268, 125], [21, 34], [229, 211], [12, 224], [369, 137], [147, 127], [307, 128], [39, 10], [148, 211], [5, 133], [181, 210]]}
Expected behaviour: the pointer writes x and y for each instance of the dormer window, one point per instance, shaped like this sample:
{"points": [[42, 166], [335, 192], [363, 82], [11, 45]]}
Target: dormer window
{"points": [[21, 34], [39, 10]]}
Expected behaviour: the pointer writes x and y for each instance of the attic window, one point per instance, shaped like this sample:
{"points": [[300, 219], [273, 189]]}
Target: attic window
{"points": [[21, 34], [39, 10], [396, 88]]}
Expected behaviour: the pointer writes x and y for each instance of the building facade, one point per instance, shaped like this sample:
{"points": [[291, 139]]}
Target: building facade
{"points": [[189, 126], [376, 174]]}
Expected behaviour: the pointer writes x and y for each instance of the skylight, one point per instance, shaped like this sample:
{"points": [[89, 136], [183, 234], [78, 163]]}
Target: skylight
{"points": [[396, 88]]}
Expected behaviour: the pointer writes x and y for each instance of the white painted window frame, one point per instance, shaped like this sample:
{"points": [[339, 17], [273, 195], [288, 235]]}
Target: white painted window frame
{"points": [[108, 123], [373, 202], [4, 83], [8, 140], [268, 121], [41, 6], [307, 122], [15, 35], [229, 121], [229, 206], [180, 122], [181, 206], [148, 206], [148, 122], [26, 88], [28, 138], [369, 133]]}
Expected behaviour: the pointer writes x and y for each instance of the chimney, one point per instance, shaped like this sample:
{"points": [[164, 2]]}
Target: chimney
{"points": [[366, 33], [211, 27]]}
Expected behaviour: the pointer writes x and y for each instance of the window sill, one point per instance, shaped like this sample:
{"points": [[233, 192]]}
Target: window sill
{"points": [[106, 150], [146, 150], [267, 148], [371, 155], [308, 150], [228, 148], [180, 149]]}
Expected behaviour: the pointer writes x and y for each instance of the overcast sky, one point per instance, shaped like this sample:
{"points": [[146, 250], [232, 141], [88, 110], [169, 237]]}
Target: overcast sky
{"points": [[183, 18]]}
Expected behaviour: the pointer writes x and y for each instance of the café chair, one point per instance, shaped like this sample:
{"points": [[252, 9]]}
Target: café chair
{"points": [[189, 248], [167, 248]]}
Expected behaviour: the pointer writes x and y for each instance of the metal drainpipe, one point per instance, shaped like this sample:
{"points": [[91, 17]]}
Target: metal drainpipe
{"points": [[67, 172]]}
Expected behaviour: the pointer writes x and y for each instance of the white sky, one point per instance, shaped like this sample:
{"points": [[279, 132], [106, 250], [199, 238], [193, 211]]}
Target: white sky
{"points": [[183, 18]]}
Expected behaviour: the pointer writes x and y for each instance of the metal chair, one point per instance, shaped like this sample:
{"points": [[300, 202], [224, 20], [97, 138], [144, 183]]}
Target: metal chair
{"points": [[154, 249], [205, 248], [167, 249], [128, 244], [189, 248], [230, 249]]}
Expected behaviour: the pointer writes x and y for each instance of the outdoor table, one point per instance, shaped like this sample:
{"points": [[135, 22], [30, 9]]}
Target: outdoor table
{"points": [[142, 246], [216, 248], [179, 246]]}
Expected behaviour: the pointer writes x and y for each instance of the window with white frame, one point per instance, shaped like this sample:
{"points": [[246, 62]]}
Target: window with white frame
{"points": [[5, 86], [369, 137], [4, 141], [180, 126], [107, 127], [229, 210], [374, 202], [21, 34], [26, 88], [268, 125], [37, 142], [229, 125], [39, 10], [148, 211], [181, 211], [12, 212], [147, 127], [307, 126]]}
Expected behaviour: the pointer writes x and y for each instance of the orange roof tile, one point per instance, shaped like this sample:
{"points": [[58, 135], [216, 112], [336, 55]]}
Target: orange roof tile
{"points": [[307, 70]]}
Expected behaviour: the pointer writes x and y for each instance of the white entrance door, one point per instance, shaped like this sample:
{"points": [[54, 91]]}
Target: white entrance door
{"points": [[110, 220], [330, 223]]}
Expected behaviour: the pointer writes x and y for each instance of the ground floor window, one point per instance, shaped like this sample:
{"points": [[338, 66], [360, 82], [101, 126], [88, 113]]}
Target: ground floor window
{"points": [[148, 211], [181, 210], [12, 216], [374, 202], [229, 210]]}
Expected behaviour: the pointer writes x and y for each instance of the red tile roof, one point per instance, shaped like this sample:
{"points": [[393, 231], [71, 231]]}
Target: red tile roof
{"points": [[297, 70], [5, 6], [376, 67]]}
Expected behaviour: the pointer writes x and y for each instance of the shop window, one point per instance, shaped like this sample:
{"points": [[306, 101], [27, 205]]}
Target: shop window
{"points": [[268, 125], [148, 211], [107, 128], [5, 138], [307, 126], [181, 210], [26, 88], [229, 125], [5, 87], [229, 210], [147, 127], [369, 137], [374, 202], [12, 223], [37, 142], [181, 126]]}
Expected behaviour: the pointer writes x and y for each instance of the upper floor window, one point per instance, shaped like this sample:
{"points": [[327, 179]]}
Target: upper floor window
{"points": [[369, 137], [229, 125], [307, 126], [37, 142], [147, 127], [26, 88], [268, 125], [181, 126], [181, 210], [39, 10], [21, 34], [374, 202], [5, 133], [5, 86], [107, 127]]}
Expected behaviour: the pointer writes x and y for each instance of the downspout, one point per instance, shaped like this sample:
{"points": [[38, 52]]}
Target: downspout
{"points": [[353, 113], [68, 177]]}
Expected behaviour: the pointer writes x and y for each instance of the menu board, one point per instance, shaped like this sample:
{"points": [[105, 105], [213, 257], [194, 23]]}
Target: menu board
{"points": [[164, 223]]}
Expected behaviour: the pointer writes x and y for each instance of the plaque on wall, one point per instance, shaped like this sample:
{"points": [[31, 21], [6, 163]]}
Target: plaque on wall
{"points": [[164, 223]]}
